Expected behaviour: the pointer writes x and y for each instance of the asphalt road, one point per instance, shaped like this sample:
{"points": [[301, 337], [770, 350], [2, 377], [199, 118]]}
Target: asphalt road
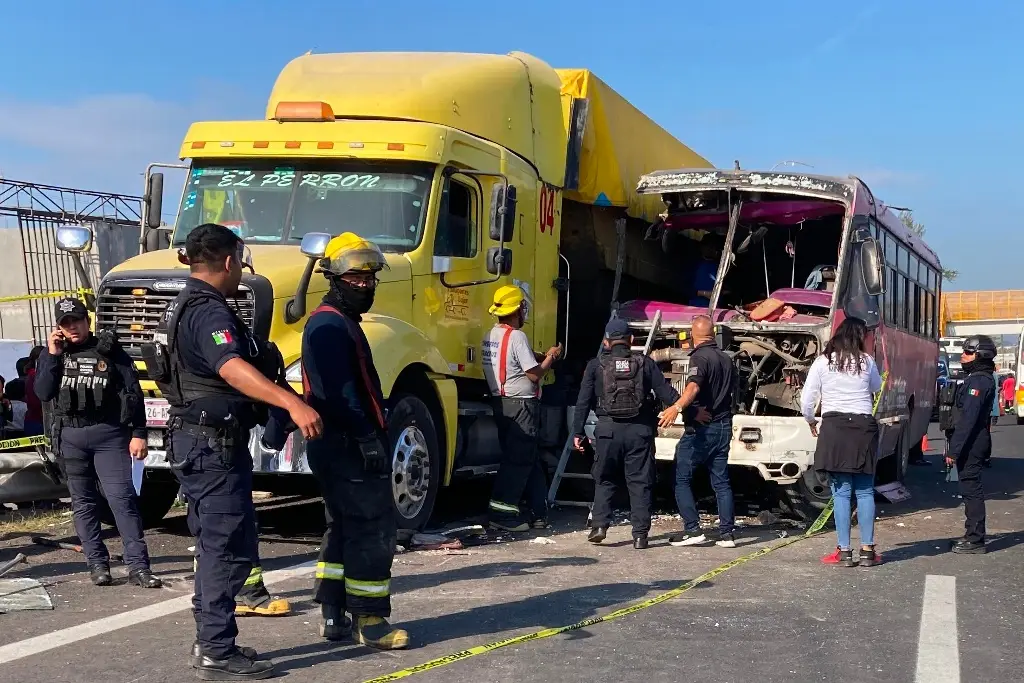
{"points": [[923, 615]]}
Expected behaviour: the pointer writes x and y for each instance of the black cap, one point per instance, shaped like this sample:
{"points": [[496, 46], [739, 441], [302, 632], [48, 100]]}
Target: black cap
{"points": [[69, 306], [617, 328]]}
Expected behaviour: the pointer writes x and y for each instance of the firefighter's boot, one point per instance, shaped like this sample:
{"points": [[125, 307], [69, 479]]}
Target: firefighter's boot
{"points": [[377, 633], [334, 625]]}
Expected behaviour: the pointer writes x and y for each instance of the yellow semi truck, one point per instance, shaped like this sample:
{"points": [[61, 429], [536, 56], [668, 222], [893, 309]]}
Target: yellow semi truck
{"points": [[470, 171]]}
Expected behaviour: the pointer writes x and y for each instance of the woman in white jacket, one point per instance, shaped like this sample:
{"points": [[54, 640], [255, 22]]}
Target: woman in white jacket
{"points": [[845, 378]]}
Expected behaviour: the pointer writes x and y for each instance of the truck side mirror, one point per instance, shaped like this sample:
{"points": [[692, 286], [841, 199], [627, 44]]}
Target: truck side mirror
{"points": [[503, 212], [872, 268], [499, 261], [313, 246], [154, 200], [75, 239]]}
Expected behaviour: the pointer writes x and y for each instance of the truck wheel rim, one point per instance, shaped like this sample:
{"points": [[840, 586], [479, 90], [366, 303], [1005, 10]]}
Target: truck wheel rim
{"points": [[410, 479]]}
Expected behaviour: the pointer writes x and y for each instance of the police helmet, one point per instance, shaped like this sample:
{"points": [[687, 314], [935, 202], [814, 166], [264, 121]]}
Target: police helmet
{"points": [[980, 345]]}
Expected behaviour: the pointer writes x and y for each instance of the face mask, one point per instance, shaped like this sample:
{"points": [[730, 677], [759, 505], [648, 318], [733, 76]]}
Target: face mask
{"points": [[357, 300]]}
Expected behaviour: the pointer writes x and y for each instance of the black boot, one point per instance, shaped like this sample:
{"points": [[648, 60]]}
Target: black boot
{"points": [[197, 653], [640, 542], [144, 578], [965, 547], [334, 625], [100, 575], [237, 667], [597, 534]]}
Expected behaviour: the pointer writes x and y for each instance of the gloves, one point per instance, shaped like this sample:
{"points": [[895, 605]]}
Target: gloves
{"points": [[375, 455]]}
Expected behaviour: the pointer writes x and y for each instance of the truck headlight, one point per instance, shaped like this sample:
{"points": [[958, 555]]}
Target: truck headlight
{"points": [[294, 373]]}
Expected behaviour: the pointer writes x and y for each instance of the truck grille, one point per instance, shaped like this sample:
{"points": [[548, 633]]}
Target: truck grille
{"points": [[133, 309]]}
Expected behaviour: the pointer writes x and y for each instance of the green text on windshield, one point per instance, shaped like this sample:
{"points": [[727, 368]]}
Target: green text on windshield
{"points": [[273, 204]]}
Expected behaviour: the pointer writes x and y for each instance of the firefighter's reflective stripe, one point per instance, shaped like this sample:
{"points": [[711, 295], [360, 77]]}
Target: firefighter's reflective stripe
{"points": [[255, 577], [498, 506], [368, 589], [330, 570]]}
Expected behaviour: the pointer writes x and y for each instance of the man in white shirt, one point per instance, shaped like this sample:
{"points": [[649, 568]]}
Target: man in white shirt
{"points": [[514, 373]]}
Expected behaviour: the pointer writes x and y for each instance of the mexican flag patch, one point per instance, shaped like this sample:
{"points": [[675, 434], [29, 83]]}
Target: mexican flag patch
{"points": [[974, 392], [221, 337]]}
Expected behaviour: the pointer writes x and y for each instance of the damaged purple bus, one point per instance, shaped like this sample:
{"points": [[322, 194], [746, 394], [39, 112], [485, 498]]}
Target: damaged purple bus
{"points": [[799, 253]]}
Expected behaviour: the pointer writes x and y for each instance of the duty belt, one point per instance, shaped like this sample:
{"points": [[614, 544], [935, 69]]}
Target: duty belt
{"points": [[225, 437], [75, 421]]}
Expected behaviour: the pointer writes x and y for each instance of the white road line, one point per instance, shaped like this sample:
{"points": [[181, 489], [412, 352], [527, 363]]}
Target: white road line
{"points": [[73, 634], [938, 650]]}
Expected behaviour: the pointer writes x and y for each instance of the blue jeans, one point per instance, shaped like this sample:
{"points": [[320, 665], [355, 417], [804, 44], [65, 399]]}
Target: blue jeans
{"points": [[843, 485], [705, 445]]}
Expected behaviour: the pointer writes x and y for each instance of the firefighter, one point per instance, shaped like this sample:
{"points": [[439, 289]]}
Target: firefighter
{"points": [[352, 463], [99, 425], [971, 441], [622, 382], [218, 377], [514, 373]]}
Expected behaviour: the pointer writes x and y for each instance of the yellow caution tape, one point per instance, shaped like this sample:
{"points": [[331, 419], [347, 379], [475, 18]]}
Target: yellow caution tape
{"points": [[80, 293], [814, 529], [23, 442]]}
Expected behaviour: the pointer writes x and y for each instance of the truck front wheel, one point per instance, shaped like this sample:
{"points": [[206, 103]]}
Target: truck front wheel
{"points": [[416, 461]]}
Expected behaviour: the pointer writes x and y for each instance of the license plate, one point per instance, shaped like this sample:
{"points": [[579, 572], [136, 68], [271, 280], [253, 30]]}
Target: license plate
{"points": [[157, 412]]}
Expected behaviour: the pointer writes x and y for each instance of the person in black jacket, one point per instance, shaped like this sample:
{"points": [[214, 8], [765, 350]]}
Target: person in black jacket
{"points": [[971, 442], [99, 424], [618, 386]]}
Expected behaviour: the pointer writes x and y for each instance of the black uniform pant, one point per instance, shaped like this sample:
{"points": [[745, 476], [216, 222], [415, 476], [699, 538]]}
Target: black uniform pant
{"points": [[354, 567], [969, 466], [221, 517], [624, 451], [97, 456], [520, 476]]}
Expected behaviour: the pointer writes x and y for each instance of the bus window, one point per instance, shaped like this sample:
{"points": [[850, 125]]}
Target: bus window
{"points": [[899, 284]]}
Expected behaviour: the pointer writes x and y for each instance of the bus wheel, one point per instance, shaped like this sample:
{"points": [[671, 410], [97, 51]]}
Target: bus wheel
{"points": [[416, 461], [894, 466]]}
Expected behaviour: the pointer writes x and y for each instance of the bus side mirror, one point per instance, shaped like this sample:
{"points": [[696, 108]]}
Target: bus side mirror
{"points": [[872, 267], [503, 212], [75, 239]]}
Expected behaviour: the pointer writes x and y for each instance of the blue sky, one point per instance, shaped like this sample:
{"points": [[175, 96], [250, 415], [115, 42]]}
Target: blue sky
{"points": [[921, 99]]}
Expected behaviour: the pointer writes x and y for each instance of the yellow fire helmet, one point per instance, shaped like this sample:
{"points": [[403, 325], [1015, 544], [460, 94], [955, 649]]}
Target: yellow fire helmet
{"points": [[348, 253], [507, 301]]}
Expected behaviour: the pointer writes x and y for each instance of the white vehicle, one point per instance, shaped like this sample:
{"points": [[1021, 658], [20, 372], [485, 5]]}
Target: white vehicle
{"points": [[1018, 402], [952, 346]]}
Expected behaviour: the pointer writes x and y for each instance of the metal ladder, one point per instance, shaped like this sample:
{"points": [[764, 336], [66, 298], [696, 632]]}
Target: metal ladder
{"points": [[567, 449]]}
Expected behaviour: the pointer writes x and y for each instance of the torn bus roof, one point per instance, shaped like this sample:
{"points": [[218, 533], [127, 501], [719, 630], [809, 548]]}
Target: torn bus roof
{"points": [[691, 180], [620, 144]]}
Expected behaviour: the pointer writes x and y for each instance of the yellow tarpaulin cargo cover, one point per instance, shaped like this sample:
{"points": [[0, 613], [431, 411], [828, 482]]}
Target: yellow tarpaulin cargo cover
{"points": [[620, 144]]}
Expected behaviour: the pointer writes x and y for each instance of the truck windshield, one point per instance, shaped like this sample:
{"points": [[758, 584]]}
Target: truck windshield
{"points": [[271, 203]]}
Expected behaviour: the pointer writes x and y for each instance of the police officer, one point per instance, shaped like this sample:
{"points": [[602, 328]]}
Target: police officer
{"points": [[514, 373], [352, 463], [622, 381], [217, 376], [971, 441], [707, 414], [99, 425]]}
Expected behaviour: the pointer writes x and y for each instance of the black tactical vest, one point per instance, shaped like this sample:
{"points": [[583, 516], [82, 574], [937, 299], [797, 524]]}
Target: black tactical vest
{"points": [[180, 386], [622, 390], [88, 387]]}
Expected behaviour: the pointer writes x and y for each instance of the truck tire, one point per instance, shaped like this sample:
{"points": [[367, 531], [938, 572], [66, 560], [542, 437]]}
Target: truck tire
{"points": [[807, 498], [154, 503], [416, 461]]}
